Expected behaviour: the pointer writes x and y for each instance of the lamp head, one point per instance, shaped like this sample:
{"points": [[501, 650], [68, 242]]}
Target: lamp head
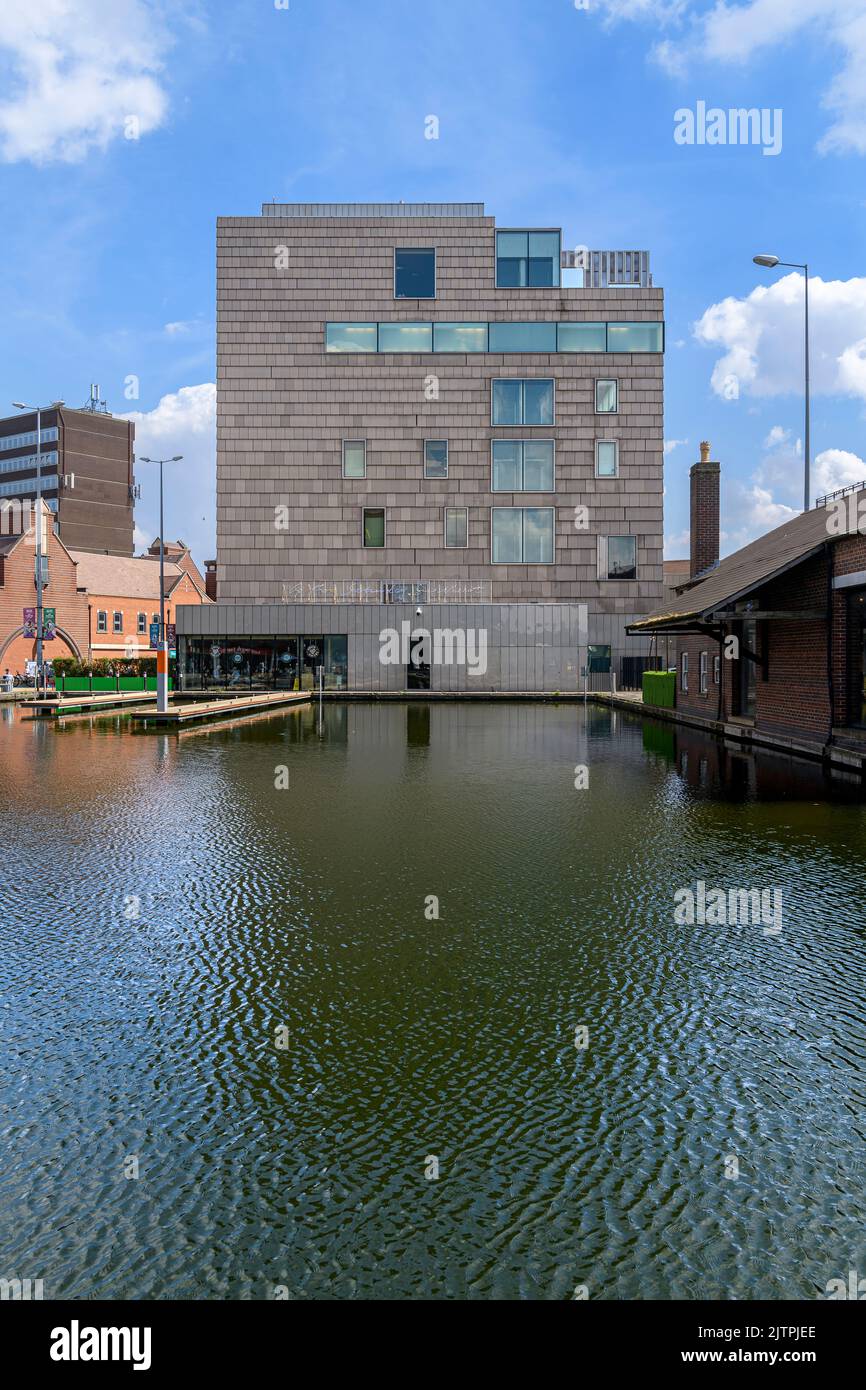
{"points": [[769, 262]]}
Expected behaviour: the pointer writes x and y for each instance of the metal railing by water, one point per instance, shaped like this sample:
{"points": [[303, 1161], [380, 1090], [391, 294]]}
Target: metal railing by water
{"points": [[379, 591]]}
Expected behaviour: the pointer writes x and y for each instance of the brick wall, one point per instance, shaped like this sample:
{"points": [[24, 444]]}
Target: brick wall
{"points": [[18, 591]]}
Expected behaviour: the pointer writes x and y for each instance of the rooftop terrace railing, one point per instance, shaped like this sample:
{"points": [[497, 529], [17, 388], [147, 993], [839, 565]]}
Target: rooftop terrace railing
{"points": [[380, 591]]}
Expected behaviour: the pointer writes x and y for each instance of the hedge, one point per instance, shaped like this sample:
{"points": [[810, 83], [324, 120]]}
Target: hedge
{"points": [[659, 689]]}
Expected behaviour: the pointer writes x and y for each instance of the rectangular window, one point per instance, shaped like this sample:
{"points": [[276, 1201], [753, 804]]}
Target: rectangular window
{"points": [[435, 458], [522, 465], [684, 673], [606, 397], [717, 662], [101, 621], [154, 617], [414, 273], [117, 622], [702, 673], [522, 535], [606, 458], [523, 337], [456, 527], [581, 337], [405, 337], [354, 458], [522, 402], [527, 260], [621, 557], [460, 337], [635, 337], [142, 624], [374, 528], [350, 337]]}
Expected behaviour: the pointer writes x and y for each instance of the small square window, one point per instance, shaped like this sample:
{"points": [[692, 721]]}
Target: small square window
{"points": [[527, 260], [606, 397], [374, 529], [354, 458], [606, 458], [456, 527], [435, 458], [414, 273]]}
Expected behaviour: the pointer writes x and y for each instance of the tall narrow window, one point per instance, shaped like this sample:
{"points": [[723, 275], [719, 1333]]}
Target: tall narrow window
{"points": [[118, 621], [684, 673], [702, 672], [142, 624], [354, 458], [716, 669], [374, 528], [606, 458], [435, 458], [606, 397], [101, 621], [456, 527], [414, 273]]}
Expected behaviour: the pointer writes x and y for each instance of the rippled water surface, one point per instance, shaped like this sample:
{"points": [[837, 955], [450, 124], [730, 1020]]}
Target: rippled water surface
{"points": [[166, 909]]}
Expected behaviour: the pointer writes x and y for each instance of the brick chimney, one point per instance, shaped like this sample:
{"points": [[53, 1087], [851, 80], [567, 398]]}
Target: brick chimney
{"points": [[704, 478]]}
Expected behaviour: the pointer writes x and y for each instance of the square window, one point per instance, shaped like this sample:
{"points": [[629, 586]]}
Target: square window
{"points": [[374, 529], [456, 527], [606, 397], [414, 273], [522, 535], [606, 458], [435, 458], [527, 260], [354, 458]]}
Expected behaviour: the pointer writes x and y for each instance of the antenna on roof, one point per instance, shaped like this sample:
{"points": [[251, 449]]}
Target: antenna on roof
{"points": [[95, 405]]}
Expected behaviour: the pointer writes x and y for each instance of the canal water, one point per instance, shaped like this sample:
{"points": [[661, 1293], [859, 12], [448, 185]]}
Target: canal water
{"points": [[244, 1057]]}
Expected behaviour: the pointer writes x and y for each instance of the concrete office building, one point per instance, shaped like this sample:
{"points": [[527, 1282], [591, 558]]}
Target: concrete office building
{"points": [[415, 412]]}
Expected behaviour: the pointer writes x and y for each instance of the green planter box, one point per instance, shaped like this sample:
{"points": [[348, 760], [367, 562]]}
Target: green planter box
{"points": [[659, 689], [105, 684]]}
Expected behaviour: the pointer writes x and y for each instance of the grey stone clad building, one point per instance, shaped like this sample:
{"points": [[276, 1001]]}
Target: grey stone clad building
{"points": [[429, 421]]}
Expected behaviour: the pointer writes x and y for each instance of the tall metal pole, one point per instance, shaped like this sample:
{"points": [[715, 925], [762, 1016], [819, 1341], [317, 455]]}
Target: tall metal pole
{"points": [[161, 562], [806, 499], [38, 547]]}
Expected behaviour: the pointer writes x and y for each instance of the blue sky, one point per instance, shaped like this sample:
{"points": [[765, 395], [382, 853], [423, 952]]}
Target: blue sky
{"points": [[549, 112]]}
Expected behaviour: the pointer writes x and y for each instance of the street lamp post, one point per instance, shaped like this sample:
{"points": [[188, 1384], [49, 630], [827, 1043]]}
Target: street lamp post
{"points": [[20, 405], [770, 263], [162, 649]]}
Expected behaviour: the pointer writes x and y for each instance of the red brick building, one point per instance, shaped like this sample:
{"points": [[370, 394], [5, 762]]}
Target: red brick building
{"points": [[771, 641], [18, 591]]}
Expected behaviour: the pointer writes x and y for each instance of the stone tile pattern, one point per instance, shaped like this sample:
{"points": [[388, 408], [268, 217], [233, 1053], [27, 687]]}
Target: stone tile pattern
{"points": [[284, 406]]}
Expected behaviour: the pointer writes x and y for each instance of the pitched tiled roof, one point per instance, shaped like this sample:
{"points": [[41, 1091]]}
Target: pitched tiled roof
{"points": [[122, 576], [745, 570]]}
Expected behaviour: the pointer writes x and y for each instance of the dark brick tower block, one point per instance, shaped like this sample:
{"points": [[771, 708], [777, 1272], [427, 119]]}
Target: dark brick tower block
{"points": [[704, 477]]}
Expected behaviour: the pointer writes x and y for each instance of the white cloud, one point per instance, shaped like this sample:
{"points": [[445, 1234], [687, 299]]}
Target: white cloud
{"points": [[835, 468], [762, 338], [737, 33], [671, 444], [183, 422], [79, 73], [748, 511], [778, 435]]}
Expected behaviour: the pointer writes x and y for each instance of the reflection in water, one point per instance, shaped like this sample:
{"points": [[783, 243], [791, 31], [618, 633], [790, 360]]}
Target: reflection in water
{"points": [[166, 907]]}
